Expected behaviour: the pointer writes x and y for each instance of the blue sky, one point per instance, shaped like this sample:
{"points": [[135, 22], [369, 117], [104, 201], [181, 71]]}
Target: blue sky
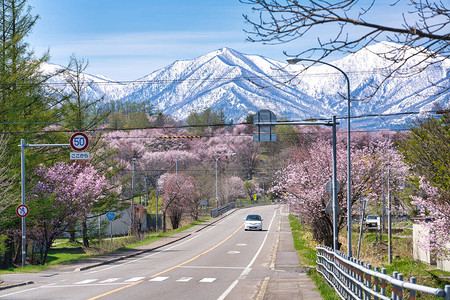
{"points": [[126, 40]]}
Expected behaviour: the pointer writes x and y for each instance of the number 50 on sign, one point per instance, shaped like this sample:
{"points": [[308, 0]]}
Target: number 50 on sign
{"points": [[79, 141]]}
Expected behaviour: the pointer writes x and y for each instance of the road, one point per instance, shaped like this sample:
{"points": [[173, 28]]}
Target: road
{"points": [[220, 262]]}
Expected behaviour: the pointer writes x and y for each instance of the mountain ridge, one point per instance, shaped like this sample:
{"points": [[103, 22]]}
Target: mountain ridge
{"points": [[239, 84]]}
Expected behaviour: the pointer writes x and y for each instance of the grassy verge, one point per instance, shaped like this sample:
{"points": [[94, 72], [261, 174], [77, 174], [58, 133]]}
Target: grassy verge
{"points": [[64, 252], [373, 252], [306, 250]]}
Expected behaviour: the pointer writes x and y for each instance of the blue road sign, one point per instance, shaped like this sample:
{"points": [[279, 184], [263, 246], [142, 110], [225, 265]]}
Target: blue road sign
{"points": [[110, 215]]}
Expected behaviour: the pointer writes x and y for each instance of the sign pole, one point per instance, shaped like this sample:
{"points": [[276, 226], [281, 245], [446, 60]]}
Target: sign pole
{"points": [[24, 252], [22, 162], [110, 230]]}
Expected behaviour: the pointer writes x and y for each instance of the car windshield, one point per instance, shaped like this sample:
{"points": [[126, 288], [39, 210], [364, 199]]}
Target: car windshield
{"points": [[372, 217], [253, 218]]}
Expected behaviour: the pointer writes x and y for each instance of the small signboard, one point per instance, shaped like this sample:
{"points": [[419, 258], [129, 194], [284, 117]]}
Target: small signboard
{"points": [[22, 210], [79, 141], [204, 203], [110, 216], [329, 187], [79, 155], [265, 134], [329, 208], [265, 116]]}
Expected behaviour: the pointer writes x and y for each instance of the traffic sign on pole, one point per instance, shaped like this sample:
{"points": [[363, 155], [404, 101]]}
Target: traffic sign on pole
{"points": [[22, 210], [79, 141], [110, 216]]}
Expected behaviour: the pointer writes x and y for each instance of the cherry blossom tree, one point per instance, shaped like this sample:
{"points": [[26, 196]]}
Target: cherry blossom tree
{"points": [[431, 204], [61, 195], [177, 191], [232, 189], [302, 182]]}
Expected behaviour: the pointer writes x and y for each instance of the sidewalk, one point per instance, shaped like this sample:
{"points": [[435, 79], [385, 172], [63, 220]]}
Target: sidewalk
{"points": [[289, 280]]}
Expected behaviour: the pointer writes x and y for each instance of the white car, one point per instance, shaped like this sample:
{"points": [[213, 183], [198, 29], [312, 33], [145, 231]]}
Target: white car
{"points": [[253, 222], [372, 221]]}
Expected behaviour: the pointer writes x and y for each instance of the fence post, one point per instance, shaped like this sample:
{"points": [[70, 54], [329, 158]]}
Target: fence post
{"points": [[383, 282], [354, 276], [394, 287], [447, 292], [376, 283], [412, 293], [369, 280], [361, 279], [400, 288]]}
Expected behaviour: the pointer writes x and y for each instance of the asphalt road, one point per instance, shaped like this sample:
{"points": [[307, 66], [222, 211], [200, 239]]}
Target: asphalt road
{"points": [[220, 262]]}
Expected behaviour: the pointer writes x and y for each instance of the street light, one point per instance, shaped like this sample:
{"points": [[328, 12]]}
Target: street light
{"points": [[217, 159], [349, 193]]}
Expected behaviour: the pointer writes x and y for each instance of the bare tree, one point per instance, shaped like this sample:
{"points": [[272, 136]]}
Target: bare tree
{"points": [[421, 29]]}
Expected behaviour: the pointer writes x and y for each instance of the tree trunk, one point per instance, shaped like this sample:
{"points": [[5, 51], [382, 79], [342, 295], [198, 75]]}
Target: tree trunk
{"points": [[72, 233], [85, 234], [164, 221]]}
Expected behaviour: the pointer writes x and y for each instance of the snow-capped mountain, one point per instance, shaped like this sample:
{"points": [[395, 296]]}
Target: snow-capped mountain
{"points": [[240, 84]]}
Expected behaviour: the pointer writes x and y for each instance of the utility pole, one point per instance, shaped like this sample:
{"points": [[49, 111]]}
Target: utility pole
{"points": [[157, 198], [132, 197], [389, 216]]}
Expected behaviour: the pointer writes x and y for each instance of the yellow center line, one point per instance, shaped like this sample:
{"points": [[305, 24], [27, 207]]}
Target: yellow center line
{"points": [[169, 269], [116, 290]]}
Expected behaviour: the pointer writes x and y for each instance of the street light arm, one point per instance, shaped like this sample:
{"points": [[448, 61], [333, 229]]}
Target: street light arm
{"points": [[349, 190], [293, 61]]}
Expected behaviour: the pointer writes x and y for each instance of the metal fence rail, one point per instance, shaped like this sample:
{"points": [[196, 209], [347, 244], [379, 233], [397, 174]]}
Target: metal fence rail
{"points": [[222, 209], [352, 279]]}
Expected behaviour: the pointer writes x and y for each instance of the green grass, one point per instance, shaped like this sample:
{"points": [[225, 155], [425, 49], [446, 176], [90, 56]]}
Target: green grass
{"points": [[56, 256], [326, 291], [64, 252], [373, 252]]}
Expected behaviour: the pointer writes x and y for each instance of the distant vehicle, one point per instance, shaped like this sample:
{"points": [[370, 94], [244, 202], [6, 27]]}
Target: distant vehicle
{"points": [[372, 221], [253, 222]]}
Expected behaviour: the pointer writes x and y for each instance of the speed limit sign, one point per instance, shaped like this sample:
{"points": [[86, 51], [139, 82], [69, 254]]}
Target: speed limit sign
{"points": [[79, 141]]}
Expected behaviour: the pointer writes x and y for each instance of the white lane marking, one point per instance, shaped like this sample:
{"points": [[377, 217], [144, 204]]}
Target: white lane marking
{"points": [[233, 252], [23, 291], [184, 279], [109, 280], [248, 269], [241, 245], [159, 278], [86, 281], [134, 279], [208, 280]]}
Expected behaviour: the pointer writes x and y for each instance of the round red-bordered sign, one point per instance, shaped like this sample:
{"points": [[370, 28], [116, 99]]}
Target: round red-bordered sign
{"points": [[22, 210], [79, 141]]}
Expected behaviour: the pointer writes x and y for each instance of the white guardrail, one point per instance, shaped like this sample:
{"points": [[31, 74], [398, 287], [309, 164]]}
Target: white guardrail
{"points": [[352, 279]]}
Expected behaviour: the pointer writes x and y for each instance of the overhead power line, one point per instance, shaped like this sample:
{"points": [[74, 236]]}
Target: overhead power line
{"points": [[206, 125]]}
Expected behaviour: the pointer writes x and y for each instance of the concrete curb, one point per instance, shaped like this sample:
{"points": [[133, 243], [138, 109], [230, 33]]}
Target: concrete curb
{"points": [[13, 285]]}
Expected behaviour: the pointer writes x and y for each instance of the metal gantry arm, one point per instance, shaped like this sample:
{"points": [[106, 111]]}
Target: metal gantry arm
{"points": [[332, 123], [22, 146]]}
